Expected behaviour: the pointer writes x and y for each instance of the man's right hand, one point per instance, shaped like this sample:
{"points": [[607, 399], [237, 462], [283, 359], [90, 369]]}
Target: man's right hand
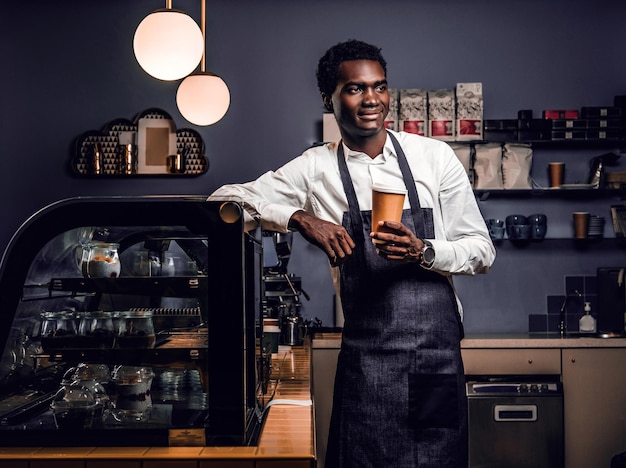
{"points": [[333, 239]]}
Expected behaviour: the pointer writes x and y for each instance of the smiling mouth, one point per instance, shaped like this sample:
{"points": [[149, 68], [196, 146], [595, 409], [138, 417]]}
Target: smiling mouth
{"points": [[370, 116]]}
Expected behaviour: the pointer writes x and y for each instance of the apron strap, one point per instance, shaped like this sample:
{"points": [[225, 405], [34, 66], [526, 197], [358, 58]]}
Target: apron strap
{"points": [[356, 222], [409, 182]]}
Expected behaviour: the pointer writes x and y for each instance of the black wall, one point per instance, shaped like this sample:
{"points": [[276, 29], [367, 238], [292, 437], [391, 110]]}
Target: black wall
{"points": [[68, 67]]}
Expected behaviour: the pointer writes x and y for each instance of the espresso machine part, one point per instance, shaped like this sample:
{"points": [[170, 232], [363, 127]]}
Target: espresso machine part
{"points": [[281, 243], [293, 330], [282, 289]]}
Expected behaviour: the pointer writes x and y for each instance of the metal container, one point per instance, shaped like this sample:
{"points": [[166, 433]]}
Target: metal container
{"points": [[293, 330]]}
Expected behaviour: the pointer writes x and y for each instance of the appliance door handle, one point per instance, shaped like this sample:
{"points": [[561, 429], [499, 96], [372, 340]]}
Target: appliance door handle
{"points": [[512, 413]]}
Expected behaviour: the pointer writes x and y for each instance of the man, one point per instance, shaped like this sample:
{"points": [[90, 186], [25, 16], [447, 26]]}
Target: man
{"points": [[399, 396]]}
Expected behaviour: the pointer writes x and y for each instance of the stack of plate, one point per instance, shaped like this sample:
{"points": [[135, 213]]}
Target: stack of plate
{"points": [[596, 226]]}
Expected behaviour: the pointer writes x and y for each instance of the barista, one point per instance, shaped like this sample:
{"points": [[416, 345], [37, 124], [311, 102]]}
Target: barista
{"points": [[399, 392]]}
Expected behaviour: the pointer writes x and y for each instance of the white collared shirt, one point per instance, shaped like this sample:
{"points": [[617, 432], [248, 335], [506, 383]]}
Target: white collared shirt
{"points": [[311, 182]]}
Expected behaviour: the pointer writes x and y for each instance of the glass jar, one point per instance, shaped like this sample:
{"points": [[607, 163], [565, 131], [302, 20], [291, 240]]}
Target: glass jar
{"points": [[136, 330], [95, 330], [58, 330], [101, 260], [133, 398]]}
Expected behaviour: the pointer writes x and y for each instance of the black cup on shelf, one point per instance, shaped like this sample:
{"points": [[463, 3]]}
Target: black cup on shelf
{"points": [[514, 220], [539, 225]]}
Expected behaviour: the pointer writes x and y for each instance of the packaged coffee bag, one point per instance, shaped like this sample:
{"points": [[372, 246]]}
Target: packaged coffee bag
{"points": [[441, 111], [414, 111], [469, 111]]}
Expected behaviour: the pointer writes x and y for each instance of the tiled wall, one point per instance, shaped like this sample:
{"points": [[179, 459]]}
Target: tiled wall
{"points": [[579, 289]]}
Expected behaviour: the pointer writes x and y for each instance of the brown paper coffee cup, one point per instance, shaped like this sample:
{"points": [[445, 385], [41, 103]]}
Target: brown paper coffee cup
{"points": [[387, 205], [557, 170], [581, 224]]}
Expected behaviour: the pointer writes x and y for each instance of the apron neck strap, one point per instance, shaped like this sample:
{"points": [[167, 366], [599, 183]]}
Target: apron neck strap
{"points": [[409, 182], [356, 222]]}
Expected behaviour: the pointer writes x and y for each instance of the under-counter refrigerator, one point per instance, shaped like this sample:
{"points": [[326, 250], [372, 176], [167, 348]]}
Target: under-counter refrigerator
{"points": [[132, 321]]}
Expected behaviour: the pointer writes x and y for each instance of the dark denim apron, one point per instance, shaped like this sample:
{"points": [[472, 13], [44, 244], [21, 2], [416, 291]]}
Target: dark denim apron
{"points": [[399, 396]]}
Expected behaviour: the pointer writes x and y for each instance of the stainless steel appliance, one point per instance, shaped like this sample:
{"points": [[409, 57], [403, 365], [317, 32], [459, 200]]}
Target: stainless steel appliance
{"points": [[169, 313], [515, 424], [282, 289]]}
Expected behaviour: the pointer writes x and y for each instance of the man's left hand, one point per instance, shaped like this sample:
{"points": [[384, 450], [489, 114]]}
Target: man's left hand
{"points": [[399, 244]]}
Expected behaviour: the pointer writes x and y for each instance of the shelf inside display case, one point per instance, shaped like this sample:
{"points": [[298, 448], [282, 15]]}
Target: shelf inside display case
{"points": [[185, 286], [195, 377]]}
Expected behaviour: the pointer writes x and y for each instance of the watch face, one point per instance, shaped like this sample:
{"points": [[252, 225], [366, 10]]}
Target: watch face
{"points": [[428, 255]]}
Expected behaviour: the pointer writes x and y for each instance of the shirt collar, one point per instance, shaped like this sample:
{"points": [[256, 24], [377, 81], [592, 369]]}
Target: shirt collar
{"points": [[388, 152]]}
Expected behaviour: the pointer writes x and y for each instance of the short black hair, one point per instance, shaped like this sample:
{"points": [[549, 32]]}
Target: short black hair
{"points": [[328, 67]]}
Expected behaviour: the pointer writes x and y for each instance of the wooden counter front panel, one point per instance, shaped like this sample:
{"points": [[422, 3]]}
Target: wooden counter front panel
{"points": [[57, 464], [594, 386], [227, 464], [157, 464], [114, 464], [167, 464], [511, 361]]}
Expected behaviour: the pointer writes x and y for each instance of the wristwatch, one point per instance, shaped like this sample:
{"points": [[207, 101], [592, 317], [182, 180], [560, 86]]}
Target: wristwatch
{"points": [[427, 256]]}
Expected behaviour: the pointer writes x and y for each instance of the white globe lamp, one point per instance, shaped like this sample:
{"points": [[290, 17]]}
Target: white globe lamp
{"points": [[168, 44], [203, 98]]}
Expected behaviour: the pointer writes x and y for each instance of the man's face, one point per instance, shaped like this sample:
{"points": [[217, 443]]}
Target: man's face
{"points": [[361, 100]]}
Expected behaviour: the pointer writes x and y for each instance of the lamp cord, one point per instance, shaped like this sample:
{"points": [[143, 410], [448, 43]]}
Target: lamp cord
{"points": [[168, 5], [203, 22]]}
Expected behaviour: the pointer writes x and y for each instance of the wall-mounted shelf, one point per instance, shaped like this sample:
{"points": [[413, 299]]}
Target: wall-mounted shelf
{"points": [[605, 244], [564, 143], [108, 140], [551, 193]]}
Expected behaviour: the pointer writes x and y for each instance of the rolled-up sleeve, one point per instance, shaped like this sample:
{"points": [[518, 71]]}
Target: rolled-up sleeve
{"points": [[270, 200], [464, 245]]}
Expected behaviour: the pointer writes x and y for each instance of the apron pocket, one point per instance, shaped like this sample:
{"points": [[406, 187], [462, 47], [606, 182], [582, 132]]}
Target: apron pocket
{"points": [[433, 401]]}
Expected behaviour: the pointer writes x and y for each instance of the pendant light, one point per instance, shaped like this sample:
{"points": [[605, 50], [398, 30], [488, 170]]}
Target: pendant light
{"points": [[168, 44], [203, 98]]}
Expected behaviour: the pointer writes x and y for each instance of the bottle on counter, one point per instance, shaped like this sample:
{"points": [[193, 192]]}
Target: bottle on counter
{"points": [[587, 323]]}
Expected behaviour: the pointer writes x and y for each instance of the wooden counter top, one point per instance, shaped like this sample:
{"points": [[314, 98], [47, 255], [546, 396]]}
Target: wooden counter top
{"points": [[288, 432], [521, 340], [531, 340]]}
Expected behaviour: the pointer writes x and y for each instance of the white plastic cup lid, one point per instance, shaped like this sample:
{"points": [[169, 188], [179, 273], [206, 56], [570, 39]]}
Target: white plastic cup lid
{"points": [[389, 189]]}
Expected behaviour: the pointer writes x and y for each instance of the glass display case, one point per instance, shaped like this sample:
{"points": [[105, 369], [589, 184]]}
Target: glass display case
{"points": [[132, 322]]}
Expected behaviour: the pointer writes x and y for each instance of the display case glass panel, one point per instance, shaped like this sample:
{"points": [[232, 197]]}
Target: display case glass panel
{"points": [[132, 321]]}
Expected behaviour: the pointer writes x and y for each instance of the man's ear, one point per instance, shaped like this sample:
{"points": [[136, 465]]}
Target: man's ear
{"points": [[328, 102]]}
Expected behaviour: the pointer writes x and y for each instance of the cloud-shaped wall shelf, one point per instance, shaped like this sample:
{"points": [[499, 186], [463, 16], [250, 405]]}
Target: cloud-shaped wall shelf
{"points": [[152, 137]]}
